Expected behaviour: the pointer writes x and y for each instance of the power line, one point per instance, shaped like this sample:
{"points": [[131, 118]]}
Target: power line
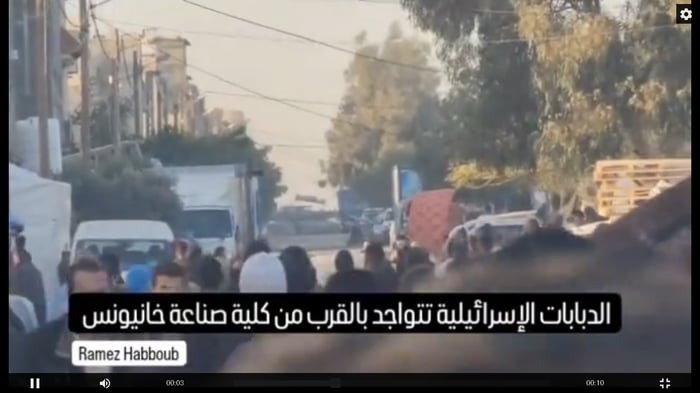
{"points": [[352, 123], [300, 101], [263, 95], [97, 32], [217, 34], [290, 146], [101, 3], [66, 18], [314, 41]]}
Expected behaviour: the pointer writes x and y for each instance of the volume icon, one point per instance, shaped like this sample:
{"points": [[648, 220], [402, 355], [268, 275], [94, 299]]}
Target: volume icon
{"points": [[105, 383]]}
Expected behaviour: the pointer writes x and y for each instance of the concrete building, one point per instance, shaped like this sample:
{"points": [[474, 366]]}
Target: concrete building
{"points": [[221, 120], [171, 67], [194, 112]]}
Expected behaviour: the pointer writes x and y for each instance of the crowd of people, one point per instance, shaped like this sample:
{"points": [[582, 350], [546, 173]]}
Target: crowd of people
{"points": [[40, 339]]}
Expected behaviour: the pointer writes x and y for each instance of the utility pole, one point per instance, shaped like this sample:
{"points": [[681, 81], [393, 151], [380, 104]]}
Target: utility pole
{"points": [[40, 86], [136, 67], [116, 112], [85, 144]]}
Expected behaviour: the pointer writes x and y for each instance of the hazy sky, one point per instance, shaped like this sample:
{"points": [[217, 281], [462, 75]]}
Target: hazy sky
{"points": [[269, 62]]}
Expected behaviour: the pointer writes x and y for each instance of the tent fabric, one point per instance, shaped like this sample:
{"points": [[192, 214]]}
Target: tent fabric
{"points": [[44, 207]]}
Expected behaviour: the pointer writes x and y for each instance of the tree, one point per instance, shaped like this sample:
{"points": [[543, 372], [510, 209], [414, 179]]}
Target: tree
{"points": [[491, 110], [385, 107], [545, 88], [612, 88], [122, 189], [101, 123], [233, 147]]}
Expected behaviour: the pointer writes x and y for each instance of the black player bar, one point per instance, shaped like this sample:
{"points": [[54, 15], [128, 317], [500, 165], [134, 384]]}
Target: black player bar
{"points": [[198, 381], [346, 313]]}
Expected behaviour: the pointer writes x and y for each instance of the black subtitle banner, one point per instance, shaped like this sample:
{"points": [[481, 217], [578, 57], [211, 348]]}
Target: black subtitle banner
{"points": [[199, 381], [346, 313]]}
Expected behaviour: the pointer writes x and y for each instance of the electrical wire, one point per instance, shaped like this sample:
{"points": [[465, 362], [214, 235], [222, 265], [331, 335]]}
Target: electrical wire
{"points": [[66, 18], [213, 75], [298, 101], [100, 4], [488, 42], [97, 32], [217, 34], [314, 41], [341, 119], [480, 42], [124, 63]]}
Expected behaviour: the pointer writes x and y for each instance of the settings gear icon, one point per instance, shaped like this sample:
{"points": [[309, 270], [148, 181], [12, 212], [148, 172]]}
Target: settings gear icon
{"points": [[686, 14]]}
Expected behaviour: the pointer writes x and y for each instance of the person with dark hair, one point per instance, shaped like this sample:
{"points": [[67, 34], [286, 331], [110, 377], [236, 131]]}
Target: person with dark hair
{"points": [[460, 236], [300, 272], [591, 215], [50, 345], [18, 361], [484, 240], [194, 260], [400, 249], [376, 262], [207, 353], [58, 304], [210, 274], [352, 281], [111, 264], [63, 268], [541, 243], [255, 247], [458, 255], [93, 250], [220, 254], [169, 277], [87, 275], [417, 256], [577, 217], [181, 250], [415, 276], [26, 280], [531, 226], [343, 261]]}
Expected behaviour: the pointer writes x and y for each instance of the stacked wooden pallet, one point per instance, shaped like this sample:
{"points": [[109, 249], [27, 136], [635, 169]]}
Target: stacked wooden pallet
{"points": [[625, 184]]}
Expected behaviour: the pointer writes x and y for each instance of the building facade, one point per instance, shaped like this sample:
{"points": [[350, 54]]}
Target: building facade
{"points": [[23, 63], [61, 50]]}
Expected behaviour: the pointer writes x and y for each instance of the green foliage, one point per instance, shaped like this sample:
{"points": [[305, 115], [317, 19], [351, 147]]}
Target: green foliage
{"points": [[122, 189], [181, 149], [100, 121], [549, 87], [386, 112]]}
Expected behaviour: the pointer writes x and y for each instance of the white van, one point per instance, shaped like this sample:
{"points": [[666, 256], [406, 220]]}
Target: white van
{"points": [[506, 227], [133, 241]]}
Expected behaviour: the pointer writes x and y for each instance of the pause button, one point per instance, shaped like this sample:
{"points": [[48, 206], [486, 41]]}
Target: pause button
{"points": [[34, 383]]}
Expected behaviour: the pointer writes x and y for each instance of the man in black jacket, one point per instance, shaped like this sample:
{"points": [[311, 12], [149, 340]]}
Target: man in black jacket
{"points": [[26, 279], [50, 345]]}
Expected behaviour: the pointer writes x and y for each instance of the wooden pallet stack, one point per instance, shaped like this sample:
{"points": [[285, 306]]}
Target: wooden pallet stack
{"points": [[625, 184]]}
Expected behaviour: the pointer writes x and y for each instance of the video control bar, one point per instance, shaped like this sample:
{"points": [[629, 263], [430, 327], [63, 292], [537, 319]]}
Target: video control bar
{"points": [[120, 381]]}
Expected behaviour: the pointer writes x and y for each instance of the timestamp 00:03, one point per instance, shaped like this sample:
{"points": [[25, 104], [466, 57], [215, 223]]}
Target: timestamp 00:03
{"points": [[175, 382]]}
